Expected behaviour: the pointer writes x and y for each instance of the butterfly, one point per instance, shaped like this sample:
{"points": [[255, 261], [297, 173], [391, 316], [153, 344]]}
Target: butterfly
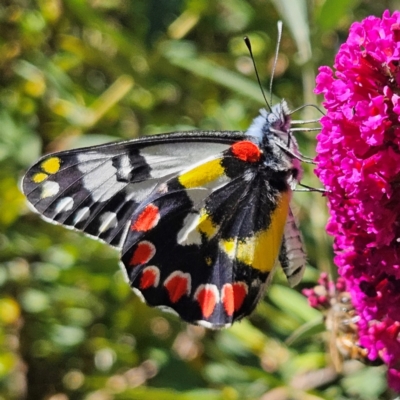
{"points": [[200, 218]]}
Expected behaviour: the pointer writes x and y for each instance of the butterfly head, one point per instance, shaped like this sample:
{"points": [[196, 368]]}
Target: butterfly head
{"points": [[271, 132], [271, 124], [279, 117]]}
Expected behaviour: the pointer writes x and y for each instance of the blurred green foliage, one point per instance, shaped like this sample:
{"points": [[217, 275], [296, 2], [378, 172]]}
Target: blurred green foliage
{"points": [[77, 73]]}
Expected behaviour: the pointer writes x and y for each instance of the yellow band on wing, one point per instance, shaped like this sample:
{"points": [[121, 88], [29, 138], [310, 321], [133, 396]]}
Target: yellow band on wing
{"points": [[261, 250], [206, 224], [203, 174]]}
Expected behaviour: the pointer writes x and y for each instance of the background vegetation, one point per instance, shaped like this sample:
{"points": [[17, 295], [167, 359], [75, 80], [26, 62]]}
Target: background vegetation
{"points": [[76, 73]]}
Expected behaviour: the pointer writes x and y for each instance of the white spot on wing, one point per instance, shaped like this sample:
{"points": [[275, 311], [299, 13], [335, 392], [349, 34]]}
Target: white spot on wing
{"points": [[199, 194], [108, 221], [64, 204], [210, 325], [189, 234], [125, 169], [165, 160], [99, 177], [49, 189], [139, 191], [81, 215]]}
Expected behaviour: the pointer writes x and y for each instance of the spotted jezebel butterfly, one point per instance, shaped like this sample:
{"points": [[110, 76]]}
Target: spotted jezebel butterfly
{"points": [[200, 217]]}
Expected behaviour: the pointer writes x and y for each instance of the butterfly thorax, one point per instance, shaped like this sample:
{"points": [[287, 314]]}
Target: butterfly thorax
{"points": [[271, 132]]}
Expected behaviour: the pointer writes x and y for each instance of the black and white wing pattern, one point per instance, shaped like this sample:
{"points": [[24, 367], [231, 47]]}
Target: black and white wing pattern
{"points": [[97, 189]]}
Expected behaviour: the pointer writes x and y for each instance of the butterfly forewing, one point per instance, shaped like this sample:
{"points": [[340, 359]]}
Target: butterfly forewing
{"points": [[97, 189]]}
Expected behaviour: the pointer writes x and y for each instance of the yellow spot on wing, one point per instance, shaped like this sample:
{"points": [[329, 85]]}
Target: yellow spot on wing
{"points": [[261, 250], [202, 174], [206, 225], [39, 177], [51, 165], [228, 246]]}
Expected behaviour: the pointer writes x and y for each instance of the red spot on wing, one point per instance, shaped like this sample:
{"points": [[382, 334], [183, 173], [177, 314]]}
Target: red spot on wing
{"points": [[150, 277], [246, 151], [228, 299], [147, 219], [177, 285], [233, 296], [143, 253], [207, 297]]}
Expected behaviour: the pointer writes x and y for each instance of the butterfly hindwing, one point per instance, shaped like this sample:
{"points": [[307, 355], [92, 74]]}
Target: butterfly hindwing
{"points": [[205, 242], [292, 256]]}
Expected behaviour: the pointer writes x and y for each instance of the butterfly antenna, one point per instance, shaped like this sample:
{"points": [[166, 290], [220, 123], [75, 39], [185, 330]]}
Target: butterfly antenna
{"points": [[311, 189], [278, 44], [304, 106], [248, 44]]}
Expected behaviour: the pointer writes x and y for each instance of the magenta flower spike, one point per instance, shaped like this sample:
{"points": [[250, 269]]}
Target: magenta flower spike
{"points": [[358, 155]]}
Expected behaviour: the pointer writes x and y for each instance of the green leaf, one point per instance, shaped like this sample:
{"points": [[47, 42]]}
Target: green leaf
{"points": [[207, 69], [306, 331], [295, 16], [293, 303], [333, 11], [368, 383]]}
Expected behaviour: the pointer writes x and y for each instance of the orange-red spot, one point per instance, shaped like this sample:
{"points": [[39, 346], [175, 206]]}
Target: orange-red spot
{"points": [[246, 151], [228, 299], [177, 284], [147, 219], [143, 253], [207, 296], [233, 296], [150, 277]]}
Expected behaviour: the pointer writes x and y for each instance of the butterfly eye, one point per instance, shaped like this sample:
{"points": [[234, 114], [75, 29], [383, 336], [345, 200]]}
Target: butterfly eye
{"points": [[272, 118]]}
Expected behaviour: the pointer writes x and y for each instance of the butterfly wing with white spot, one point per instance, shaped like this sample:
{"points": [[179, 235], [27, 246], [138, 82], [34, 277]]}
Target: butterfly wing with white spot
{"points": [[97, 189]]}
